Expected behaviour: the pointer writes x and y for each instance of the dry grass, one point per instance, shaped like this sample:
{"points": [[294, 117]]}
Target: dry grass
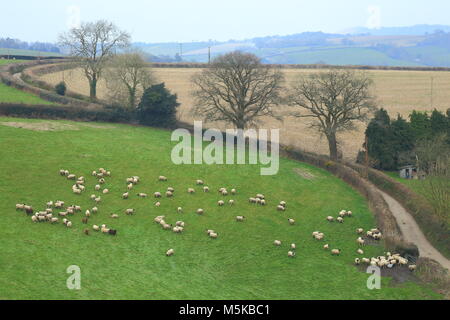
{"points": [[396, 91]]}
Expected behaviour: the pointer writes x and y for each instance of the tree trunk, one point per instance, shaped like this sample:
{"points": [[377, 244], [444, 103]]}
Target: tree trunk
{"points": [[93, 89], [332, 144]]}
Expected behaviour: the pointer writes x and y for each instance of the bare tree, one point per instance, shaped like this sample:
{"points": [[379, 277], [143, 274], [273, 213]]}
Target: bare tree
{"points": [[93, 43], [334, 99], [238, 89], [128, 75]]}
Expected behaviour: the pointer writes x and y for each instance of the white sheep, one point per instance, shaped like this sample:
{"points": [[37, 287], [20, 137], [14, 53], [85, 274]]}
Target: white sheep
{"points": [[213, 235], [94, 210], [125, 195], [360, 251], [114, 216], [180, 210], [129, 211], [169, 194], [360, 241], [220, 203], [69, 224], [291, 254], [200, 211], [357, 261], [340, 219], [233, 191], [335, 252], [142, 195], [179, 224], [170, 189], [283, 203], [330, 218], [359, 231], [293, 246], [87, 213], [105, 191], [240, 218], [281, 208], [277, 243], [157, 204], [130, 186], [162, 178], [199, 182], [157, 195], [291, 221], [170, 252], [191, 190], [262, 202], [205, 189], [326, 246], [231, 202]]}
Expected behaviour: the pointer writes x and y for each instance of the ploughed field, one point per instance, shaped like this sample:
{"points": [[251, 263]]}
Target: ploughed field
{"points": [[399, 92], [241, 263]]}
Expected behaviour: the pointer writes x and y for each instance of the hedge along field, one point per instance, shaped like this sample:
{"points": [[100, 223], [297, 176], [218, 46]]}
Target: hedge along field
{"points": [[242, 263], [397, 92], [13, 95]]}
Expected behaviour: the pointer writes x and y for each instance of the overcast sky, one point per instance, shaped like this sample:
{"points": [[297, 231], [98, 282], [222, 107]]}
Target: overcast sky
{"points": [[188, 20]]}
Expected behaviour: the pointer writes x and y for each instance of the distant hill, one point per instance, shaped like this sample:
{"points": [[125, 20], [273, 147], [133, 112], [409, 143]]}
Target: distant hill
{"points": [[421, 45]]}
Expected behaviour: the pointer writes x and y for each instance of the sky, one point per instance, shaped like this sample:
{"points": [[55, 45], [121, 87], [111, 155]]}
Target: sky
{"points": [[196, 20]]}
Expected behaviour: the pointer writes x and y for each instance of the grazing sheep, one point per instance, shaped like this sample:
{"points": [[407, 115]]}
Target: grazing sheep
{"points": [[87, 213], [77, 208], [191, 190], [277, 243], [63, 214], [101, 181], [209, 231], [199, 182], [104, 229], [157, 194], [142, 195], [291, 221], [326, 246], [281, 208], [200, 211], [54, 220], [319, 236], [49, 204], [20, 206], [335, 252], [330, 218], [167, 226], [93, 196], [180, 210], [69, 224], [359, 231], [357, 261], [162, 178], [129, 211], [62, 172], [49, 210], [360, 251], [130, 186], [86, 231], [105, 191], [114, 216], [365, 260], [169, 194], [283, 203], [412, 267], [262, 202], [176, 229], [170, 189], [98, 200], [94, 173], [342, 213], [179, 224], [94, 210], [76, 191], [170, 252], [157, 204], [233, 191], [293, 246], [220, 203], [349, 214], [224, 192], [84, 220], [213, 235], [71, 177], [231, 202], [340, 219], [34, 218], [291, 254], [240, 218], [205, 189], [260, 196], [360, 241]]}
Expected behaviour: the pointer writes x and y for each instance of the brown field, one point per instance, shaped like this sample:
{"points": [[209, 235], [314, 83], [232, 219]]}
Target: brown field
{"points": [[396, 91]]}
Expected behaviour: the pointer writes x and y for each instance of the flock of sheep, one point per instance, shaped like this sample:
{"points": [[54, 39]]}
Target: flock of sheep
{"points": [[48, 215]]}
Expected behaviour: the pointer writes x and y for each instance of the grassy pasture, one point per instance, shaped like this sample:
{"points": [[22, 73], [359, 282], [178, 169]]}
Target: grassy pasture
{"points": [[241, 264], [399, 92], [13, 95]]}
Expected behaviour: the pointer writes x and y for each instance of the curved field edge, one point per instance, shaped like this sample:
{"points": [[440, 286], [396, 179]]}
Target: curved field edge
{"points": [[241, 264]]}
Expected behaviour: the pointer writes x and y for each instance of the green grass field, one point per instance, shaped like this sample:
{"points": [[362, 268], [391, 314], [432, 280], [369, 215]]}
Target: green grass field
{"points": [[13, 95], [242, 263]]}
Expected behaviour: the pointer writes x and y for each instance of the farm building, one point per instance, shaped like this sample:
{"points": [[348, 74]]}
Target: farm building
{"points": [[410, 172]]}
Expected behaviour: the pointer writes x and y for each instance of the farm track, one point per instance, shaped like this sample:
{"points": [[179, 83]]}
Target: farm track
{"points": [[412, 233]]}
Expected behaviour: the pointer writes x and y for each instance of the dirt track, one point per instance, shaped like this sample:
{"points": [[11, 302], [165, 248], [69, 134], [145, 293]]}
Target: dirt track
{"points": [[412, 233]]}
